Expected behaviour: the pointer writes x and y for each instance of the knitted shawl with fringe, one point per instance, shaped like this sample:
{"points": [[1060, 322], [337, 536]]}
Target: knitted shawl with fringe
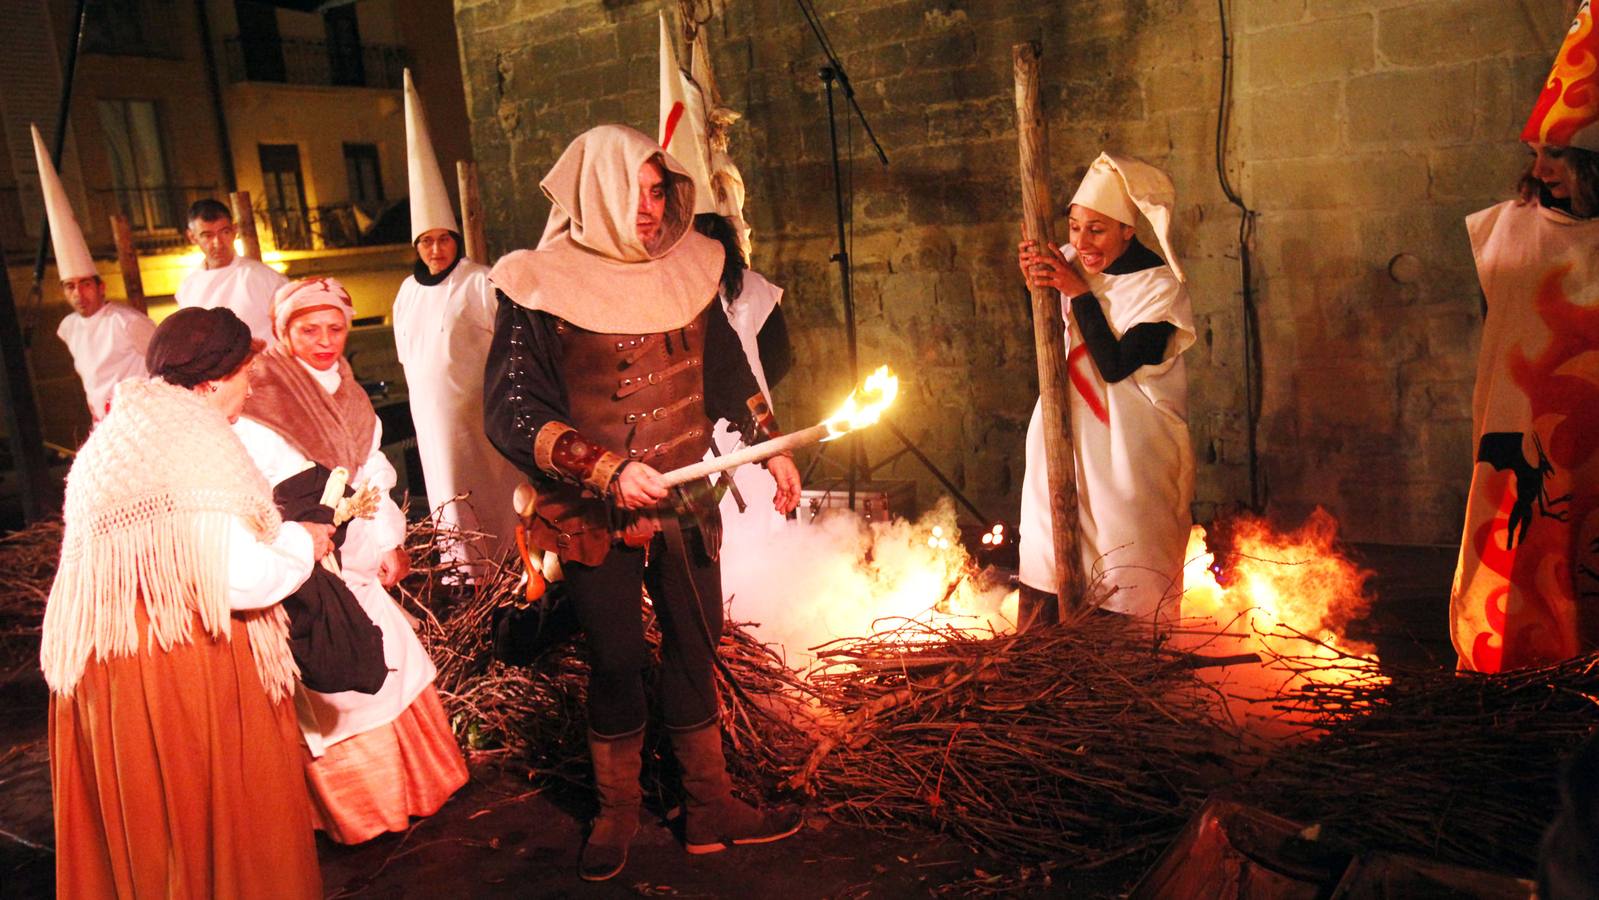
{"points": [[148, 506]]}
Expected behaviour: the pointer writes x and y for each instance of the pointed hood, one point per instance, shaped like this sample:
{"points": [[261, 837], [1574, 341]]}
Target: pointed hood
{"points": [[72, 254], [682, 131], [1567, 111], [1122, 187], [591, 268], [430, 202]]}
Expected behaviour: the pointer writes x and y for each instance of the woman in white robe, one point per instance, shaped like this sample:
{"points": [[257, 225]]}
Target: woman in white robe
{"points": [[443, 322], [1129, 321], [1526, 589]]}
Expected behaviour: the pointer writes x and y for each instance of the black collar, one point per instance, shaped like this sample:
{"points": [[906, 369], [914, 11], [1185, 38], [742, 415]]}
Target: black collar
{"points": [[1136, 258]]}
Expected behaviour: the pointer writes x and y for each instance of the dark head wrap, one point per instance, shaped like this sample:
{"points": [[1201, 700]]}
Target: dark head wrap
{"points": [[195, 345]]}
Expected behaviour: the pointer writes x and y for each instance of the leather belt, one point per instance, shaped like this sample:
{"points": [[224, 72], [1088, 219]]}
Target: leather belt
{"points": [[631, 385], [661, 412], [645, 453]]}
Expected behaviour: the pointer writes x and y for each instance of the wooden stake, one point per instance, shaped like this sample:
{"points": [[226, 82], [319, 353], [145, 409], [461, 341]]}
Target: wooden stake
{"points": [[128, 260], [244, 223], [471, 212], [1049, 328]]}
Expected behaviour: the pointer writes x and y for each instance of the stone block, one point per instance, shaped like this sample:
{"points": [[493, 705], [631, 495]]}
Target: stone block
{"points": [[1322, 50], [1263, 14], [1452, 31], [1369, 181], [1303, 120], [1431, 106]]}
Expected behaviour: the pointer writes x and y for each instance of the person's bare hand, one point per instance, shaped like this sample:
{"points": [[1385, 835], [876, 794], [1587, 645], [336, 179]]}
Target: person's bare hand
{"points": [[321, 538], [394, 565], [1049, 268], [788, 483], [639, 486]]}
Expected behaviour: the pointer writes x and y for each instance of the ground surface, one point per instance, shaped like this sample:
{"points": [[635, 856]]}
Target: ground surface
{"points": [[500, 837]]}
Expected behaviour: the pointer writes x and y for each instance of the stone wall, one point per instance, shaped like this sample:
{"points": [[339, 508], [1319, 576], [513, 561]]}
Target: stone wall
{"points": [[1361, 130]]}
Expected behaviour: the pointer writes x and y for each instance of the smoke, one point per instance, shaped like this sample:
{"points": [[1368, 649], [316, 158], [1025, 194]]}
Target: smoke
{"points": [[803, 584]]}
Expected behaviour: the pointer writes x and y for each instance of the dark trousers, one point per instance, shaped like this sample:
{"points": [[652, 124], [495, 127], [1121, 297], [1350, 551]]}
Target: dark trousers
{"points": [[687, 595]]}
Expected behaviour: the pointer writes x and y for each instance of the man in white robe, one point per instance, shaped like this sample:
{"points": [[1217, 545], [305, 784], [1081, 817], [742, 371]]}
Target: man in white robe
{"points": [[225, 278], [107, 340], [443, 323]]}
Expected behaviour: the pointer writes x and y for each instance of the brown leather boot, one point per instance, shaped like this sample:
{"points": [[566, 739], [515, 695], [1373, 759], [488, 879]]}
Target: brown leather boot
{"points": [[617, 762], [713, 819]]}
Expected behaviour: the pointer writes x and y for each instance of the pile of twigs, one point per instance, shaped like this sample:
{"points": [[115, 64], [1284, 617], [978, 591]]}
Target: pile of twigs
{"points": [[1082, 744], [1458, 766], [27, 567], [532, 712]]}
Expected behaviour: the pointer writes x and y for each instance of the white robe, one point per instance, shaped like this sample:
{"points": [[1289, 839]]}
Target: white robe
{"points": [[1135, 467], [326, 719], [747, 534], [107, 347], [244, 286], [1526, 589], [442, 334]]}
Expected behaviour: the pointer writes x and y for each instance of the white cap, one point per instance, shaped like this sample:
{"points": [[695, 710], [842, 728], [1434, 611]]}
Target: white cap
{"points": [[682, 131], [430, 202], [1122, 187], [72, 254]]}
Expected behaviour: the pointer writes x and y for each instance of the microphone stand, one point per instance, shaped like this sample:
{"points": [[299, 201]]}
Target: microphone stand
{"points": [[830, 73]]}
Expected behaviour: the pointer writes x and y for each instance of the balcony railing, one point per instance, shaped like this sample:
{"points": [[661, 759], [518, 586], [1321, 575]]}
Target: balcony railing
{"points": [[314, 62], [331, 226], [157, 214]]}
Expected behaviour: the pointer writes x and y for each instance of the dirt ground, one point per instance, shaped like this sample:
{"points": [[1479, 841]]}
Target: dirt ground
{"points": [[504, 837]]}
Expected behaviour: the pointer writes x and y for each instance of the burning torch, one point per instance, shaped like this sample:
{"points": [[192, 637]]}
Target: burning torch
{"points": [[862, 408]]}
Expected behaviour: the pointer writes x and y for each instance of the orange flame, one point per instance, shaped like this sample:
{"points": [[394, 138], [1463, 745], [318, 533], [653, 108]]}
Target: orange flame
{"points": [[865, 405]]}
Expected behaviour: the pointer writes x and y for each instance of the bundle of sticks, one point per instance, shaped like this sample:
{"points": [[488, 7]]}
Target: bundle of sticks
{"points": [[28, 560]]}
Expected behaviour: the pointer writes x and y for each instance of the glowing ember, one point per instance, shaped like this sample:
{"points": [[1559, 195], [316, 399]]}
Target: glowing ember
{"points": [[1296, 583], [842, 577], [865, 405], [1286, 596]]}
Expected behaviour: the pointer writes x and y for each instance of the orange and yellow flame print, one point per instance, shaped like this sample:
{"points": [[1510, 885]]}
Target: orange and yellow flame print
{"points": [[1567, 112]]}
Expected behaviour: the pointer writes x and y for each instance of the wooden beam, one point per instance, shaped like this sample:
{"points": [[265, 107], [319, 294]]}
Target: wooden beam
{"points": [[1049, 328], [128, 261], [472, 212], [244, 223]]}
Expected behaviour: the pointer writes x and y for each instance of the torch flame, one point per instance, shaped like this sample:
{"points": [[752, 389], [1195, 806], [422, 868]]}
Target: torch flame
{"points": [[865, 405]]}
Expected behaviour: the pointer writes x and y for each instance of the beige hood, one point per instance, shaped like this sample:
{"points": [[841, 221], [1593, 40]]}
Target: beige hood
{"points": [[590, 268]]}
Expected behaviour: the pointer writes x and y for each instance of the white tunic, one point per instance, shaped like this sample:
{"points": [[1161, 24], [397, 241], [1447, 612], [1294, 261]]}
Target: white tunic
{"points": [[747, 534], [1526, 589], [326, 719], [106, 348], [1135, 467], [442, 334], [245, 286]]}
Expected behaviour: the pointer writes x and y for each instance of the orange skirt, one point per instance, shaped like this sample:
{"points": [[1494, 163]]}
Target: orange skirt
{"points": [[376, 781], [174, 776]]}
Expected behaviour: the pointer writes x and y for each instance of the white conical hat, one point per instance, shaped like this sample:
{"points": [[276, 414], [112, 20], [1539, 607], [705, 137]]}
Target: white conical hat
{"points": [[72, 254], [430, 202], [1122, 187], [682, 131]]}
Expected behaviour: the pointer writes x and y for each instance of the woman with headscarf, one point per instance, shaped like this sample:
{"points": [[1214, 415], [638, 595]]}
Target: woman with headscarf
{"points": [[1526, 589], [173, 756], [1128, 322], [443, 322], [374, 760]]}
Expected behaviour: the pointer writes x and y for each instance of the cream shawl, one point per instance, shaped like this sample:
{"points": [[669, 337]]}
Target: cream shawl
{"points": [[148, 505], [590, 268]]}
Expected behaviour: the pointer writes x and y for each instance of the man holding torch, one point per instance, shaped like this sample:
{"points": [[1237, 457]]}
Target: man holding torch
{"points": [[609, 362]]}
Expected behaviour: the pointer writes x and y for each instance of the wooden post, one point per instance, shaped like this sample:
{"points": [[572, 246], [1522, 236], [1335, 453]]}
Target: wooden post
{"points": [[21, 413], [244, 223], [1049, 329], [128, 261], [471, 212]]}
